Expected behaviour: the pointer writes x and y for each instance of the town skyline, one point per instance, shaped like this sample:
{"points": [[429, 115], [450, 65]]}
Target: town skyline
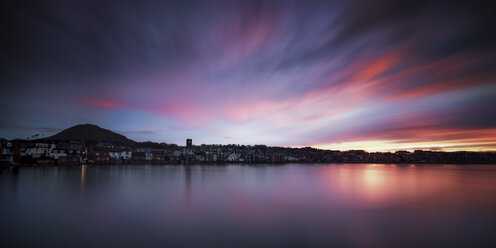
{"points": [[88, 144], [188, 141]]}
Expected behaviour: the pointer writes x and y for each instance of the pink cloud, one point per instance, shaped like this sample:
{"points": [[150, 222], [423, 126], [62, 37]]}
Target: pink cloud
{"points": [[101, 103]]}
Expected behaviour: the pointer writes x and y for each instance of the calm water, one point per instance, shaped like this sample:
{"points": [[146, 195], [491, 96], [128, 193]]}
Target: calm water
{"points": [[350, 205]]}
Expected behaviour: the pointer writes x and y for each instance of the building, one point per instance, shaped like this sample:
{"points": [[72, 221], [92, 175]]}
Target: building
{"points": [[6, 151], [189, 143], [120, 153], [58, 152], [158, 155], [38, 150], [142, 155], [98, 155]]}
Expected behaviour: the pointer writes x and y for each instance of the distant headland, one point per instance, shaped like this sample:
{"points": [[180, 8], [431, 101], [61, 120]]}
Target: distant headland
{"points": [[93, 145]]}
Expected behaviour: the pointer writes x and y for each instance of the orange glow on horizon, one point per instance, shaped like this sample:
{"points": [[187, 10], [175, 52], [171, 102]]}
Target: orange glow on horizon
{"points": [[391, 146], [481, 140]]}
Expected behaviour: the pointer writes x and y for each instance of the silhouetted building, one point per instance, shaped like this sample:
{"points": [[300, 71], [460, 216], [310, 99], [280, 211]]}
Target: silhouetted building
{"points": [[189, 142]]}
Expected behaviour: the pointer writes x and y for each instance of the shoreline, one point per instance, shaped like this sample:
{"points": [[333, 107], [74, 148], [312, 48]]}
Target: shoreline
{"points": [[244, 164]]}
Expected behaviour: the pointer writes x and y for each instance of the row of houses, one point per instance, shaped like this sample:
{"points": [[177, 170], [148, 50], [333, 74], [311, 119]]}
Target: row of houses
{"points": [[71, 153]]}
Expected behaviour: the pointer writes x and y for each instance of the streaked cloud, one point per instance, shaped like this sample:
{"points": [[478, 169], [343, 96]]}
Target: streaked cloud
{"points": [[381, 74]]}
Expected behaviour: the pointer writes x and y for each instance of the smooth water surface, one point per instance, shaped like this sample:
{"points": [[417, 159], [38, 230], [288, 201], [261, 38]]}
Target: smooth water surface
{"points": [[334, 205]]}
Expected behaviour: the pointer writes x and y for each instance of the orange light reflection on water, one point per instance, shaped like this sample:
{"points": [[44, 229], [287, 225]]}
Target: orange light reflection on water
{"points": [[410, 186]]}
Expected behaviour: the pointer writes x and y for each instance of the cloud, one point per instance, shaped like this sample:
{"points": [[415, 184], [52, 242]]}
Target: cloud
{"points": [[101, 103], [299, 72]]}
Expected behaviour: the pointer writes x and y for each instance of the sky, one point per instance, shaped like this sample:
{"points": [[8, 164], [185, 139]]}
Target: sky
{"points": [[375, 75]]}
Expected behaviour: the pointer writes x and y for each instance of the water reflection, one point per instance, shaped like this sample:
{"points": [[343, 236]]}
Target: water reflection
{"points": [[83, 176], [345, 205], [187, 181]]}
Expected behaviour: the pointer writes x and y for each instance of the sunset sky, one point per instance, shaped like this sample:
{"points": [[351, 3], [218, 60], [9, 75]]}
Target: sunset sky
{"points": [[374, 75]]}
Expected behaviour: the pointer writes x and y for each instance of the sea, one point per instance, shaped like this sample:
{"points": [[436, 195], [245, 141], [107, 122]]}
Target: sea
{"points": [[291, 205]]}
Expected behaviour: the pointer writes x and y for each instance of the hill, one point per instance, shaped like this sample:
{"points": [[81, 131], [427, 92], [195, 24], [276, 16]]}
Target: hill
{"points": [[90, 133]]}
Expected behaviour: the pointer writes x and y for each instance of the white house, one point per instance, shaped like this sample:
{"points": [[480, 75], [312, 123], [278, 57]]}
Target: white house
{"points": [[39, 150], [58, 152], [123, 154], [233, 157]]}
